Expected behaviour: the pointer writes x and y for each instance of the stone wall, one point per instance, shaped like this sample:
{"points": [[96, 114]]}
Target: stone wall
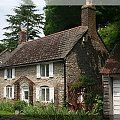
{"points": [[84, 59], [30, 72]]}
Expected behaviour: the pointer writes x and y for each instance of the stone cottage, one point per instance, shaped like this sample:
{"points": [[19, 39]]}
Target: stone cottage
{"points": [[111, 83], [40, 70]]}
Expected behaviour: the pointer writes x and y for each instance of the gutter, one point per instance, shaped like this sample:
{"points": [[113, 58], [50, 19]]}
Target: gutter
{"points": [[34, 63], [65, 84]]}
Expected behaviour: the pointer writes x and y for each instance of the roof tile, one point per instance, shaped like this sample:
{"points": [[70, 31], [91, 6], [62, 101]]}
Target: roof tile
{"points": [[51, 47], [112, 65]]}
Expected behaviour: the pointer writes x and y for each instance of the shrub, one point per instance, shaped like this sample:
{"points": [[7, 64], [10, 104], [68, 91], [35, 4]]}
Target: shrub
{"points": [[20, 105], [98, 106], [51, 112], [6, 106], [32, 111]]}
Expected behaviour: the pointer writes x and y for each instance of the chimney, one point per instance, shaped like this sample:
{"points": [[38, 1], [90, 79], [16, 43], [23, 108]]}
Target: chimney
{"points": [[88, 16], [22, 37]]}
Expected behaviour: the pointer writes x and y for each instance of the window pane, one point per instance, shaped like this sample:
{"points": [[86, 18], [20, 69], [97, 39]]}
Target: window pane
{"points": [[43, 94], [10, 91], [47, 70], [47, 94], [42, 70], [9, 73], [26, 94], [7, 92]]}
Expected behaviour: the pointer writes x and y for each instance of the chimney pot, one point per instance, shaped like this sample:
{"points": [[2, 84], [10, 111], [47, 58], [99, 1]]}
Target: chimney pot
{"points": [[88, 2]]}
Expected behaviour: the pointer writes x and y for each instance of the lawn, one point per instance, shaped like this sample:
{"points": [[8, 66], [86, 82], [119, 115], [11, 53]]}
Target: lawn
{"points": [[6, 113]]}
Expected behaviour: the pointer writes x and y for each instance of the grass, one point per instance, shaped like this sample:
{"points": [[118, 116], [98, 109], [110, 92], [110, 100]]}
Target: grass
{"points": [[6, 113], [40, 112]]}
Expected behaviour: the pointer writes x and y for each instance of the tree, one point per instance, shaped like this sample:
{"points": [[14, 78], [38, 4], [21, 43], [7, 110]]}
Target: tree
{"points": [[64, 17], [2, 47], [25, 16], [107, 14], [59, 18], [110, 34]]}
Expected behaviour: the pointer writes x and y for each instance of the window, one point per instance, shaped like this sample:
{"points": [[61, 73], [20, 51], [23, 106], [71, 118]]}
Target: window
{"points": [[9, 91], [45, 94], [9, 73], [44, 68]]}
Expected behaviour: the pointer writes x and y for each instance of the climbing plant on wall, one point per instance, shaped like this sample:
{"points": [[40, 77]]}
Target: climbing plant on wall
{"points": [[89, 88]]}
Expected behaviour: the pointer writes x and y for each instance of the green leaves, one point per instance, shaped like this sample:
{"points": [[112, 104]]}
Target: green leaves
{"points": [[59, 18], [24, 16], [110, 34]]}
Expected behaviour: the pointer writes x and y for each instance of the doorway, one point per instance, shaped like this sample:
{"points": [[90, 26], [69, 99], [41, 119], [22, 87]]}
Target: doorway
{"points": [[25, 93]]}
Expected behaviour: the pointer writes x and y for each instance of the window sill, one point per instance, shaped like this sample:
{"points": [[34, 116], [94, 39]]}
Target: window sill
{"points": [[44, 77], [10, 98], [8, 79], [46, 101]]}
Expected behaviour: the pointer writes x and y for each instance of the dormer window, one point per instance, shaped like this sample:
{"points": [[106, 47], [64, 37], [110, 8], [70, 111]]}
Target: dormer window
{"points": [[9, 73]]}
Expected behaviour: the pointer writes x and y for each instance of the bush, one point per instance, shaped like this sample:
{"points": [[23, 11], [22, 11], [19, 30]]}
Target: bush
{"points": [[6, 106], [98, 106], [51, 112], [20, 105]]}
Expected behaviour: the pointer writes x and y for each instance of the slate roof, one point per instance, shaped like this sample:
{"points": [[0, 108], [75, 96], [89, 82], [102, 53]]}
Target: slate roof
{"points": [[51, 47], [112, 65]]}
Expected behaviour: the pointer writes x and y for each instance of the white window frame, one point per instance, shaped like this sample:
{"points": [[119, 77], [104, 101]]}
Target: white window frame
{"points": [[45, 71], [39, 71], [45, 87], [9, 91], [6, 72], [9, 73], [39, 94]]}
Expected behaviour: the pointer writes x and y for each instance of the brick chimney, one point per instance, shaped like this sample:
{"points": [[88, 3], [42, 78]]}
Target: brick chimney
{"points": [[88, 16], [22, 37]]}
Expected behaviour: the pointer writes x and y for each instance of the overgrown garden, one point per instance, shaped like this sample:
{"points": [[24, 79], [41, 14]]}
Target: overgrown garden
{"points": [[91, 111], [49, 112]]}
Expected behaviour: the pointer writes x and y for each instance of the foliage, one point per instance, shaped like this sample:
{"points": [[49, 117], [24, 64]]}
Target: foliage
{"points": [[84, 81], [5, 113], [97, 110], [2, 47], [25, 16], [59, 18], [6, 106], [89, 86], [107, 14], [19, 105], [110, 34], [98, 106], [51, 112], [48, 112]]}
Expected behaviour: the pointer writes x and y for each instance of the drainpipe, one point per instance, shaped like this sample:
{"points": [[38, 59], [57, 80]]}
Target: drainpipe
{"points": [[65, 83]]}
